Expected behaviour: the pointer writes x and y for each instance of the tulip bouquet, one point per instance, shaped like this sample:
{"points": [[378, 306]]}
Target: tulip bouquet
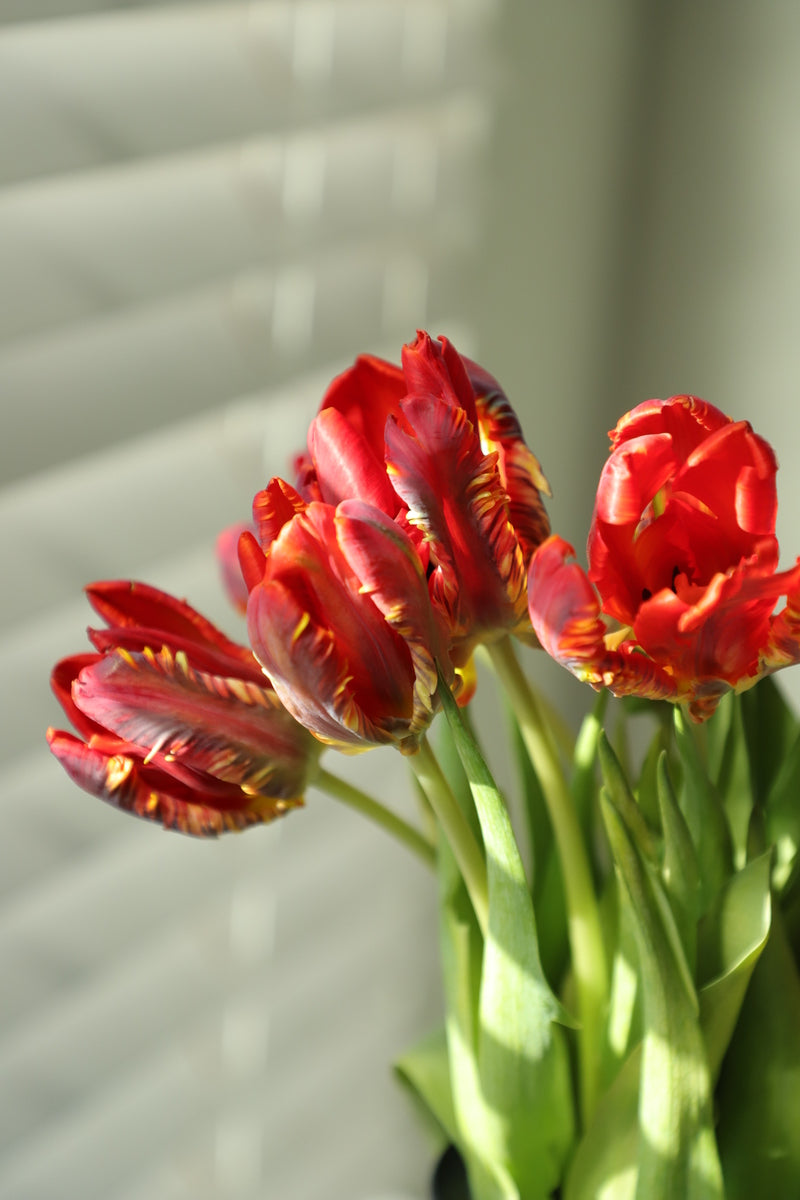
{"points": [[619, 945]]}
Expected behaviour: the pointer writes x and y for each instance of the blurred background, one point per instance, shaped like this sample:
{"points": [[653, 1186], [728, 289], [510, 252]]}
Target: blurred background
{"points": [[206, 210]]}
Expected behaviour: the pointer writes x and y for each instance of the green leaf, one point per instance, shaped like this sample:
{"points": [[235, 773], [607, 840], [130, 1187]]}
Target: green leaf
{"points": [[605, 1162], [782, 816], [624, 1020], [759, 1089], [624, 802], [770, 728], [518, 1117], [647, 785], [733, 936], [677, 1156], [735, 780], [679, 869], [705, 815], [547, 883], [425, 1071]]}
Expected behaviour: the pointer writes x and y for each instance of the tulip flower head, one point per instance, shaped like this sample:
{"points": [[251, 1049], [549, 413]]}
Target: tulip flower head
{"points": [[435, 445], [340, 618], [682, 555], [177, 723]]}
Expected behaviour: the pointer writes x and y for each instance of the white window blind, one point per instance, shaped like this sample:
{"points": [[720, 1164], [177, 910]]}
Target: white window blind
{"points": [[206, 209]]}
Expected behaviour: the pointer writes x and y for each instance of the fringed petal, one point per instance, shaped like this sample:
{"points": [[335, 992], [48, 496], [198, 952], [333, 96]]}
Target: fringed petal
{"points": [[565, 614], [146, 616], [520, 472], [229, 729], [456, 498], [686, 419], [309, 670], [436, 369], [274, 507], [124, 781], [391, 574]]}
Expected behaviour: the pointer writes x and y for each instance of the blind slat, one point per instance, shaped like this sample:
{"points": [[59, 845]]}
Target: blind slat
{"points": [[143, 83], [123, 236]]}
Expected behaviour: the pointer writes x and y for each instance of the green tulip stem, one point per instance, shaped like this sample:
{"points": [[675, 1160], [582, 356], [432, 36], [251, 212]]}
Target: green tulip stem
{"points": [[453, 823], [354, 798], [589, 966]]}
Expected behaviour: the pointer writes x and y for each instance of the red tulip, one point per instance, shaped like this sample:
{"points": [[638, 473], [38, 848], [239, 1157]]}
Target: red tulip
{"points": [[340, 618], [683, 555], [177, 723], [435, 445]]}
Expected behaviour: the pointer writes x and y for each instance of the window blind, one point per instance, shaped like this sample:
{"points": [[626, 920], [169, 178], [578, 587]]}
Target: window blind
{"points": [[206, 210]]}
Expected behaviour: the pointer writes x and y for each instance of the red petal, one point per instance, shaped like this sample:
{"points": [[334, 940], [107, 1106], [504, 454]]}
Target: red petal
{"points": [[228, 560], [122, 780], [384, 559], [329, 651], [456, 498], [566, 617], [631, 477], [720, 634], [308, 669], [686, 419], [435, 368], [252, 560], [346, 466], [519, 470], [162, 619], [62, 677], [564, 610], [273, 508], [229, 729], [366, 394]]}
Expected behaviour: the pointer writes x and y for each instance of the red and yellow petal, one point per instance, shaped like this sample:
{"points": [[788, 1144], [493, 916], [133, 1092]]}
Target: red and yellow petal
{"points": [[456, 499], [385, 560], [565, 612], [229, 729], [142, 615], [520, 472], [687, 421], [436, 369], [125, 782], [274, 507]]}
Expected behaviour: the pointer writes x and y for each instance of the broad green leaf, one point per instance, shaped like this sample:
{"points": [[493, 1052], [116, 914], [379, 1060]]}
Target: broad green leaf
{"points": [[547, 884], [624, 1020], [425, 1071], [676, 1151], [647, 784], [679, 869], [734, 782], [704, 813], [461, 957], [715, 733], [782, 815], [759, 1089], [770, 728], [520, 1078], [624, 802], [605, 1162], [734, 934], [583, 787]]}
